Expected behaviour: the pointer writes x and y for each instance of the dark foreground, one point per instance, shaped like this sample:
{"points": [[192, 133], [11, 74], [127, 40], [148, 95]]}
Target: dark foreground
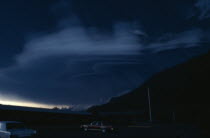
{"points": [[155, 131]]}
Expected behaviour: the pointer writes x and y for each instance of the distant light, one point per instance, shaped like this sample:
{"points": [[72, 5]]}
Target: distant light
{"points": [[8, 101]]}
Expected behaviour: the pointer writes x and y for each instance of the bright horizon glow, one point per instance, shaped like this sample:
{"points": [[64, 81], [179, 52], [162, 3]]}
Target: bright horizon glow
{"points": [[26, 104], [8, 101]]}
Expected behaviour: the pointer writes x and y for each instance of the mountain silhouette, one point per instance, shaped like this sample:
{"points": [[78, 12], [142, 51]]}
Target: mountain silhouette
{"points": [[180, 92]]}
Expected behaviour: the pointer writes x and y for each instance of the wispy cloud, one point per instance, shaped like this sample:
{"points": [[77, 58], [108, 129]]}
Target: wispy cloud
{"points": [[186, 39], [74, 40]]}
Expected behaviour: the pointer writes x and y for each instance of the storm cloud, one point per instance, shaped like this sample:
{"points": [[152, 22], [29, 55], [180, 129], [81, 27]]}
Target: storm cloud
{"points": [[65, 67], [72, 67], [91, 56]]}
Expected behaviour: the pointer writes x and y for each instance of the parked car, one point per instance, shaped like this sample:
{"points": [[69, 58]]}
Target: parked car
{"points": [[10, 129], [97, 126]]}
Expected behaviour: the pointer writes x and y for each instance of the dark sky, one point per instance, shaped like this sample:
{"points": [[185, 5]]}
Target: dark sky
{"points": [[83, 52]]}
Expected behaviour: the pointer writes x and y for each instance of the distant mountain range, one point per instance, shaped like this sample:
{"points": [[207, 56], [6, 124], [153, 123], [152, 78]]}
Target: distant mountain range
{"points": [[181, 92]]}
